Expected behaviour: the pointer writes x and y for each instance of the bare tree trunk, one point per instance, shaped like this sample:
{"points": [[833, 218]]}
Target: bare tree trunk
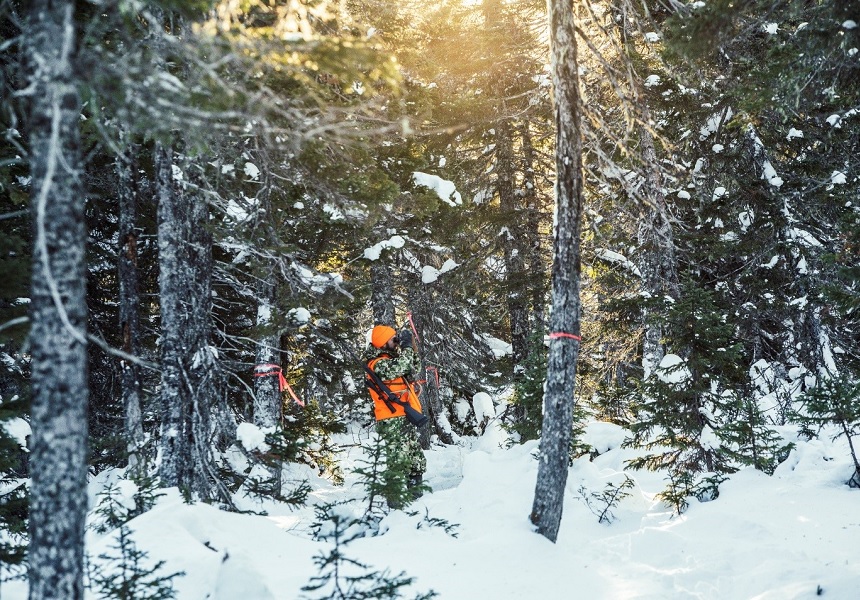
{"points": [[203, 372], [129, 306], [174, 441], [565, 319], [511, 243], [267, 392], [187, 360], [421, 305], [382, 293], [537, 268], [58, 313]]}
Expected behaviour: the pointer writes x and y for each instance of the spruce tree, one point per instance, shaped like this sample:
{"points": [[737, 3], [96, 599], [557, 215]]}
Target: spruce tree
{"points": [[342, 577], [832, 406], [126, 573], [689, 399]]}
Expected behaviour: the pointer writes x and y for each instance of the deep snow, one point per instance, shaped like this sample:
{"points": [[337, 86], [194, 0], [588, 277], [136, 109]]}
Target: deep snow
{"points": [[790, 535]]}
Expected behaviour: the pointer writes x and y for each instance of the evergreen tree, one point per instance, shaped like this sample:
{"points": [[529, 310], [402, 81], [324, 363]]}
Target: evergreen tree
{"points": [[690, 398], [833, 404], [127, 574], [14, 499], [384, 474], [342, 577], [528, 394]]}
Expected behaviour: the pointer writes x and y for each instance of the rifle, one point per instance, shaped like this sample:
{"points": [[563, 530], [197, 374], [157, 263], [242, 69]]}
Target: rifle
{"points": [[390, 398]]}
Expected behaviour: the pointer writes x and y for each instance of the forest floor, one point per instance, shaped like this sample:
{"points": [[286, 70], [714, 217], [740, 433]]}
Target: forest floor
{"points": [[786, 536]]}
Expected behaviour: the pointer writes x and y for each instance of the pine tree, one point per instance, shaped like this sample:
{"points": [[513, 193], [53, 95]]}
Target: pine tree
{"points": [[384, 473], [749, 439], [342, 577], [690, 399], [527, 399], [127, 574], [833, 403], [14, 500]]}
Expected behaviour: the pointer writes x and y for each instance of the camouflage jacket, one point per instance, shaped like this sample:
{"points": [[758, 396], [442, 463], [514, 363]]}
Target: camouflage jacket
{"points": [[396, 364]]}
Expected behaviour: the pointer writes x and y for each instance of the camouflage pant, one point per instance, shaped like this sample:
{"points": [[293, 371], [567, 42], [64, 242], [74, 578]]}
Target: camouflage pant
{"points": [[401, 444]]}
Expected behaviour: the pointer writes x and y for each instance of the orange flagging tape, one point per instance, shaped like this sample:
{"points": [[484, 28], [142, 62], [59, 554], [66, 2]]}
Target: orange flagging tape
{"points": [[272, 370], [561, 334], [412, 325]]}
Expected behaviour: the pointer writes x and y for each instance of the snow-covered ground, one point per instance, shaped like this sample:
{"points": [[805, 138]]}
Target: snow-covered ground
{"points": [[791, 535]]}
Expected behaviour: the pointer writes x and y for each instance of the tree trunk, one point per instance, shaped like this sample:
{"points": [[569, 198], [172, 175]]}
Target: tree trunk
{"points": [[382, 293], [537, 269], [129, 306], [565, 318], [187, 360], [514, 256], [658, 262], [58, 459], [267, 388], [267, 392], [421, 305], [173, 443], [514, 230]]}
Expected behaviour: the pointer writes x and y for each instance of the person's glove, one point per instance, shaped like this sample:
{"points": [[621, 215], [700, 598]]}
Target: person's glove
{"points": [[405, 338]]}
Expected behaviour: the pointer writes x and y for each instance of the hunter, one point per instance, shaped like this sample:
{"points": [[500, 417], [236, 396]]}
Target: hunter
{"points": [[394, 360]]}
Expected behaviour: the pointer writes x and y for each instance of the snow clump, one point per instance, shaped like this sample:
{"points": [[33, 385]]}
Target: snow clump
{"points": [[252, 437], [482, 404], [446, 190], [300, 315], [672, 369], [374, 251], [430, 274], [251, 170], [838, 178]]}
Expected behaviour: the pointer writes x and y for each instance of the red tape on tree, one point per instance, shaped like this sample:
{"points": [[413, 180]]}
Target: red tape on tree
{"points": [[272, 370], [561, 334]]}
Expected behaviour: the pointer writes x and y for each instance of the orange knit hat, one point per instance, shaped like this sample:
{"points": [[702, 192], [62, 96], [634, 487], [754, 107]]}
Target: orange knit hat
{"points": [[381, 334]]}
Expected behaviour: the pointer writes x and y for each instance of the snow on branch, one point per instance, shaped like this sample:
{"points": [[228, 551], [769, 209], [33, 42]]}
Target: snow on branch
{"points": [[446, 190]]}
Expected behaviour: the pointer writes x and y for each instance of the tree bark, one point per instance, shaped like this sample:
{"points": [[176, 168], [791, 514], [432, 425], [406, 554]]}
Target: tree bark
{"points": [[382, 293], [421, 305], [129, 306], [511, 243], [173, 443], [565, 319], [537, 268], [187, 360], [58, 461], [267, 392]]}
